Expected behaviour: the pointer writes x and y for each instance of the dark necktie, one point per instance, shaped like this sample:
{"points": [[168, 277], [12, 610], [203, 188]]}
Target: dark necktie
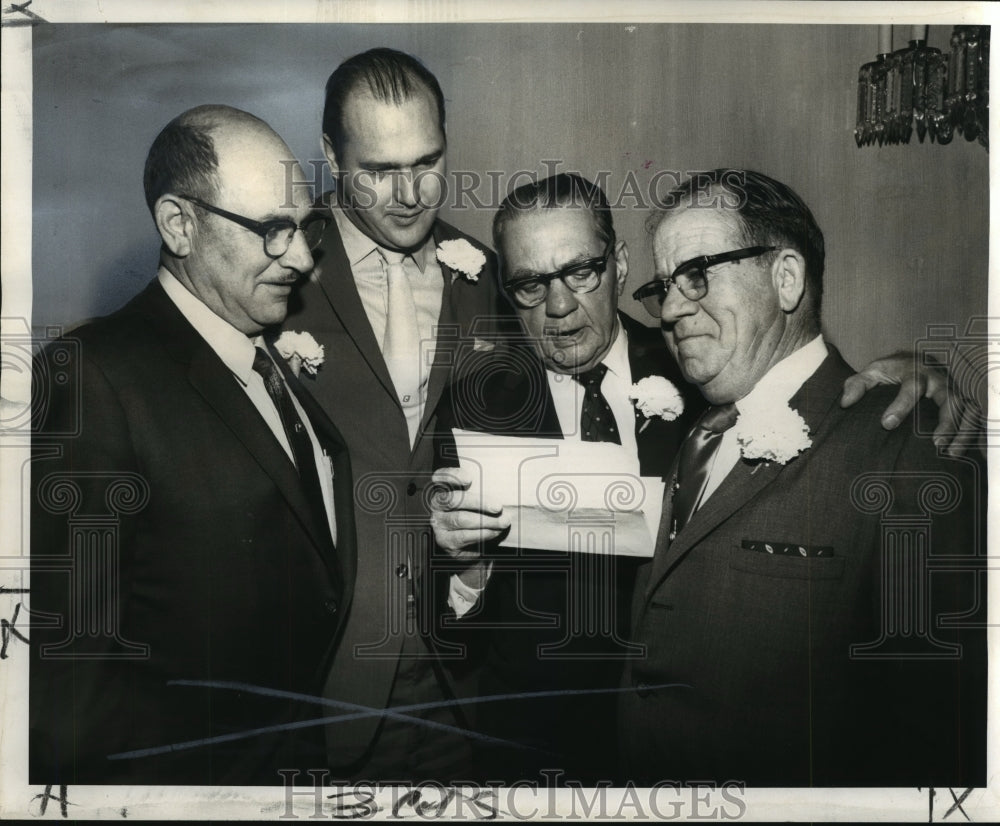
{"points": [[695, 462], [597, 422], [298, 437]]}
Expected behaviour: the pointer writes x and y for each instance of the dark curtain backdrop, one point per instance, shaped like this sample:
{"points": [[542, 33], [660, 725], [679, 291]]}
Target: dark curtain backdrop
{"points": [[906, 226]]}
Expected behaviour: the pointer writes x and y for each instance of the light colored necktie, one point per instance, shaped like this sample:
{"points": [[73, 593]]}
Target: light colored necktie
{"points": [[401, 343]]}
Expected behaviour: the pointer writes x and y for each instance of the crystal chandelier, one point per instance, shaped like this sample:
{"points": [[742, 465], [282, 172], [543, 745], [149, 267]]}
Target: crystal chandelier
{"points": [[923, 88]]}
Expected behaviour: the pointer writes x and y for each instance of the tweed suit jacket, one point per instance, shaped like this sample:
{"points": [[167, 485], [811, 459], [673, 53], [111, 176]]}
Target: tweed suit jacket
{"points": [[779, 650]]}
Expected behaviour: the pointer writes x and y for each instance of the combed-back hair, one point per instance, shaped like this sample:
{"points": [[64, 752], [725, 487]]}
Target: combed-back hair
{"points": [[768, 212], [562, 190], [390, 76]]}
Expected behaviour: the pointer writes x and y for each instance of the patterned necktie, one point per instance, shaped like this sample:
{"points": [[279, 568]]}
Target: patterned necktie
{"points": [[298, 436], [597, 422], [695, 462], [401, 344]]}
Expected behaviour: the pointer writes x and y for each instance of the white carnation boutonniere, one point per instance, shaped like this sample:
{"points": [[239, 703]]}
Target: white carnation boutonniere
{"points": [[656, 396], [774, 434], [301, 350], [461, 257]]}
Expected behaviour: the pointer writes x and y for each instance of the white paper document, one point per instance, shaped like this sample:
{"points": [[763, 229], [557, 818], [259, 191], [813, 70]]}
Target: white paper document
{"points": [[564, 495]]}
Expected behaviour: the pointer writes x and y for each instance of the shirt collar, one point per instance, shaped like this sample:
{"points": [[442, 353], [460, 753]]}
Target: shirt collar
{"points": [[359, 246], [785, 378], [236, 349], [616, 359]]}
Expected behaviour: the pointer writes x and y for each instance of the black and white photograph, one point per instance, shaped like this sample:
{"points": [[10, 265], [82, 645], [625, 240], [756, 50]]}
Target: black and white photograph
{"points": [[456, 412]]}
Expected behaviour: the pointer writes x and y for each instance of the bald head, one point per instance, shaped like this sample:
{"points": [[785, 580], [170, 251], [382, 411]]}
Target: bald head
{"points": [[184, 157], [234, 213]]}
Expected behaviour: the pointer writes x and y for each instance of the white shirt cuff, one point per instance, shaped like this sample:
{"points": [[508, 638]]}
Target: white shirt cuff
{"points": [[461, 597]]}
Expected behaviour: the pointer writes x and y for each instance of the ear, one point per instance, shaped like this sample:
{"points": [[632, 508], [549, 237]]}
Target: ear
{"points": [[621, 263], [175, 225], [788, 274], [331, 156]]}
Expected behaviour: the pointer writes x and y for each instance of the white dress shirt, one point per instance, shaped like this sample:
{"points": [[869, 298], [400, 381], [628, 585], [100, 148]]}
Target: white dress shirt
{"points": [[777, 387], [371, 278], [237, 351]]}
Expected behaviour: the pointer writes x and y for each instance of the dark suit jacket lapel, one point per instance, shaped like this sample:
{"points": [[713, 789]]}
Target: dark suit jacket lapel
{"points": [[337, 282], [447, 337], [216, 384], [524, 386], [657, 440], [813, 401]]}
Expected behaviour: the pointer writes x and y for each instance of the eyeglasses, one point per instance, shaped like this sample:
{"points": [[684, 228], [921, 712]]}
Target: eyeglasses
{"points": [[277, 234], [582, 277], [691, 278]]}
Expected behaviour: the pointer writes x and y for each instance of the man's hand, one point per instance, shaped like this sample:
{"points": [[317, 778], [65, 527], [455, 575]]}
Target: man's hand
{"points": [[959, 417], [462, 522]]}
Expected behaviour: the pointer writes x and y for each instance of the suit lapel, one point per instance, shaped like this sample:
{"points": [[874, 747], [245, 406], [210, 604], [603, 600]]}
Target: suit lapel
{"points": [[337, 282], [657, 440], [446, 340], [210, 377], [336, 279], [746, 480], [522, 387], [216, 384]]}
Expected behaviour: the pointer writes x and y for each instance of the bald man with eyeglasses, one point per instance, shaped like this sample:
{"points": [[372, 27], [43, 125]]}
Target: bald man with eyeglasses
{"points": [[192, 513]]}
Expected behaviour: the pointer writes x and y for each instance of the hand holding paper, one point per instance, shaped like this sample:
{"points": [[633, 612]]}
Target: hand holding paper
{"points": [[462, 522], [563, 495]]}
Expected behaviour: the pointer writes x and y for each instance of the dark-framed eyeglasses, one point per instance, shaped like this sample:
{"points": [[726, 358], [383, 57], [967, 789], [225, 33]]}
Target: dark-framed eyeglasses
{"points": [[277, 234], [691, 278], [581, 277]]}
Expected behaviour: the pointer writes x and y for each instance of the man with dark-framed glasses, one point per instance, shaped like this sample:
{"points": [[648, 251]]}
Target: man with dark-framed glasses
{"points": [[814, 613], [563, 269], [691, 278], [192, 526], [558, 619]]}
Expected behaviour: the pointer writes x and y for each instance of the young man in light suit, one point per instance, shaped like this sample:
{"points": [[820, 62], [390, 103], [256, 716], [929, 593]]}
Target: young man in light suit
{"points": [[393, 304]]}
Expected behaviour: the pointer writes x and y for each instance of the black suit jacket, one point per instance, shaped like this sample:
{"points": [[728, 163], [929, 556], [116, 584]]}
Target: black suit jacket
{"points": [[173, 545], [530, 627], [766, 668], [394, 538]]}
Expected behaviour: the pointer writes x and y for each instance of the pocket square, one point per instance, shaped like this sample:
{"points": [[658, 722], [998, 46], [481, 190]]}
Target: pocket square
{"points": [[786, 548]]}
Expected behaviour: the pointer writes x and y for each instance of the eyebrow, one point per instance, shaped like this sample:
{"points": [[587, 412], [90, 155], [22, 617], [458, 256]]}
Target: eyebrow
{"points": [[579, 258], [384, 166], [274, 216], [284, 217]]}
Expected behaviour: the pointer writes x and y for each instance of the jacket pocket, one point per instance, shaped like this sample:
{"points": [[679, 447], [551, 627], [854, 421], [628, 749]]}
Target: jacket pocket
{"points": [[786, 567]]}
